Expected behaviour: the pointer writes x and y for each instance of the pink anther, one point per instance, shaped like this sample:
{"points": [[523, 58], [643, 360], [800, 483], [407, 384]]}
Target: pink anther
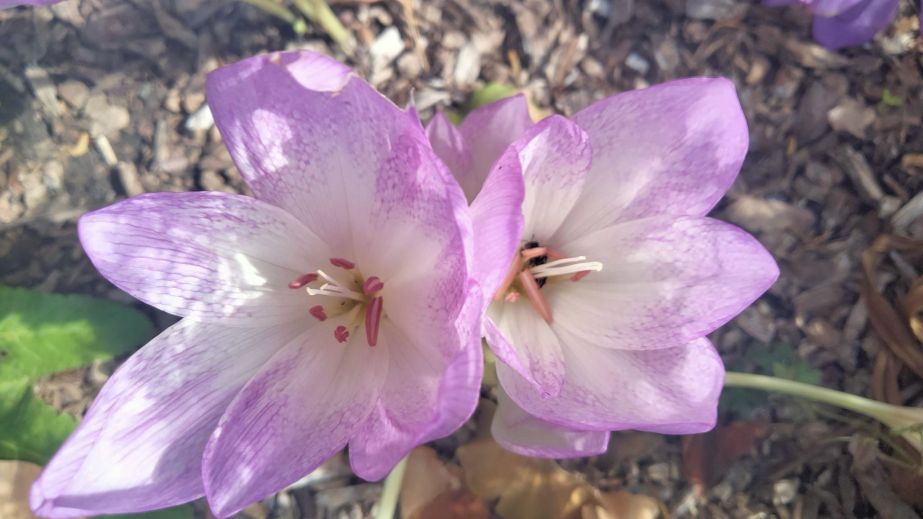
{"points": [[342, 263], [318, 312], [341, 334], [553, 254], [372, 285], [534, 252], [301, 281]]}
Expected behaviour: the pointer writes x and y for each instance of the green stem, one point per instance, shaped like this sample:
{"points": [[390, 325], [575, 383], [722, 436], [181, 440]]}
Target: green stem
{"points": [[854, 403], [273, 8], [905, 421], [391, 491], [320, 13]]}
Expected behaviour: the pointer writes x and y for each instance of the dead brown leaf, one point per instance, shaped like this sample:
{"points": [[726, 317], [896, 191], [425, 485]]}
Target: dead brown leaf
{"points": [[530, 488], [890, 326], [706, 456], [913, 306], [16, 477], [425, 479], [622, 505]]}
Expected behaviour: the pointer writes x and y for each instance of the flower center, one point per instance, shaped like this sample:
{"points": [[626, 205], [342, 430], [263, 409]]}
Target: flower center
{"points": [[348, 294], [534, 267]]}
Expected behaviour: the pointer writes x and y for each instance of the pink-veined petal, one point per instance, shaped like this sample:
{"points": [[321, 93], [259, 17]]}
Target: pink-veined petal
{"points": [[670, 149], [527, 344], [487, 132], [555, 155], [302, 407], [313, 152], [426, 395], [449, 145], [522, 433], [665, 281], [210, 256], [140, 445], [671, 391], [497, 222]]}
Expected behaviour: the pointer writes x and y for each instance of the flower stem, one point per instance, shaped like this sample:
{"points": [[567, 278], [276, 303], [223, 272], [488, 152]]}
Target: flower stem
{"points": [[823, 395], [320, 13], [391, 491], [904, 421]]}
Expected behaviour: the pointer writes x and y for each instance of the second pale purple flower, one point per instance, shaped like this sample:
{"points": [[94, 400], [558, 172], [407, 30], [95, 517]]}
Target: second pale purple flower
{"points": [[601, 320]]}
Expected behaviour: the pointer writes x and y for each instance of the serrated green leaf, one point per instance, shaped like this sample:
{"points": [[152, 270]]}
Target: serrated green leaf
{"points": [[45, 333], [30, 430], [177, 512]]}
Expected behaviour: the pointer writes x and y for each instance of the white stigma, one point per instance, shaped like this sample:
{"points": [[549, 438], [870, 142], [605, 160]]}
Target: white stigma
{"points": [[334, 288], [563, 267]]}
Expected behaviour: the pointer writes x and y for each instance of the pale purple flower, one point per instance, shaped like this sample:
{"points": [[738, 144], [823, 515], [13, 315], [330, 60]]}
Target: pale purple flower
{"points": [[13, 3], [600, 324], [843, 23], [336, 308]]}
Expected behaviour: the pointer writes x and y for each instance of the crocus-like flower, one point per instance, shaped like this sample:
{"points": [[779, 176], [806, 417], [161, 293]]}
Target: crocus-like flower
{"points": [[335, 308], [842, 23], [600, 323], [13, 3]]}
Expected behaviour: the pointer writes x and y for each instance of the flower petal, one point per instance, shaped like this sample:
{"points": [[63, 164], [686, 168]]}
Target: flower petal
{"points": [[140, 445], [449, 145], [834, 7], [417, 238], [670, 149], [298, 410], [665, 281], [211, 256], [487, 132], [497, 222], [522, 433], [555, 156], [672, 391], [315, 153], [426, 395], [855, 25], [528, 344]]}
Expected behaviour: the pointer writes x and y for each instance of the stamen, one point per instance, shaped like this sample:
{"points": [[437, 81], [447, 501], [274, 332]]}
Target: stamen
{"points": [[534, 252], [318, 312], [566, 266], [301, 281], [373, 320], [372, 285], [511, 297], [534, 292], [553, 254], [515, 267], [342, 263], [341, 334], [580, 275], [334, 289]]}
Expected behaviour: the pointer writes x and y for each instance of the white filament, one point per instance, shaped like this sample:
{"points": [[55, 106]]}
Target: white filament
{"points": [[334, 288], [563, 267]]}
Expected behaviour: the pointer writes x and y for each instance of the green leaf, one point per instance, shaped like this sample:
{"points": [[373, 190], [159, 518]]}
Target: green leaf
{"points": [[177, 512], [889, 99], [30, 430], [489, 93], [44, 333]]}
